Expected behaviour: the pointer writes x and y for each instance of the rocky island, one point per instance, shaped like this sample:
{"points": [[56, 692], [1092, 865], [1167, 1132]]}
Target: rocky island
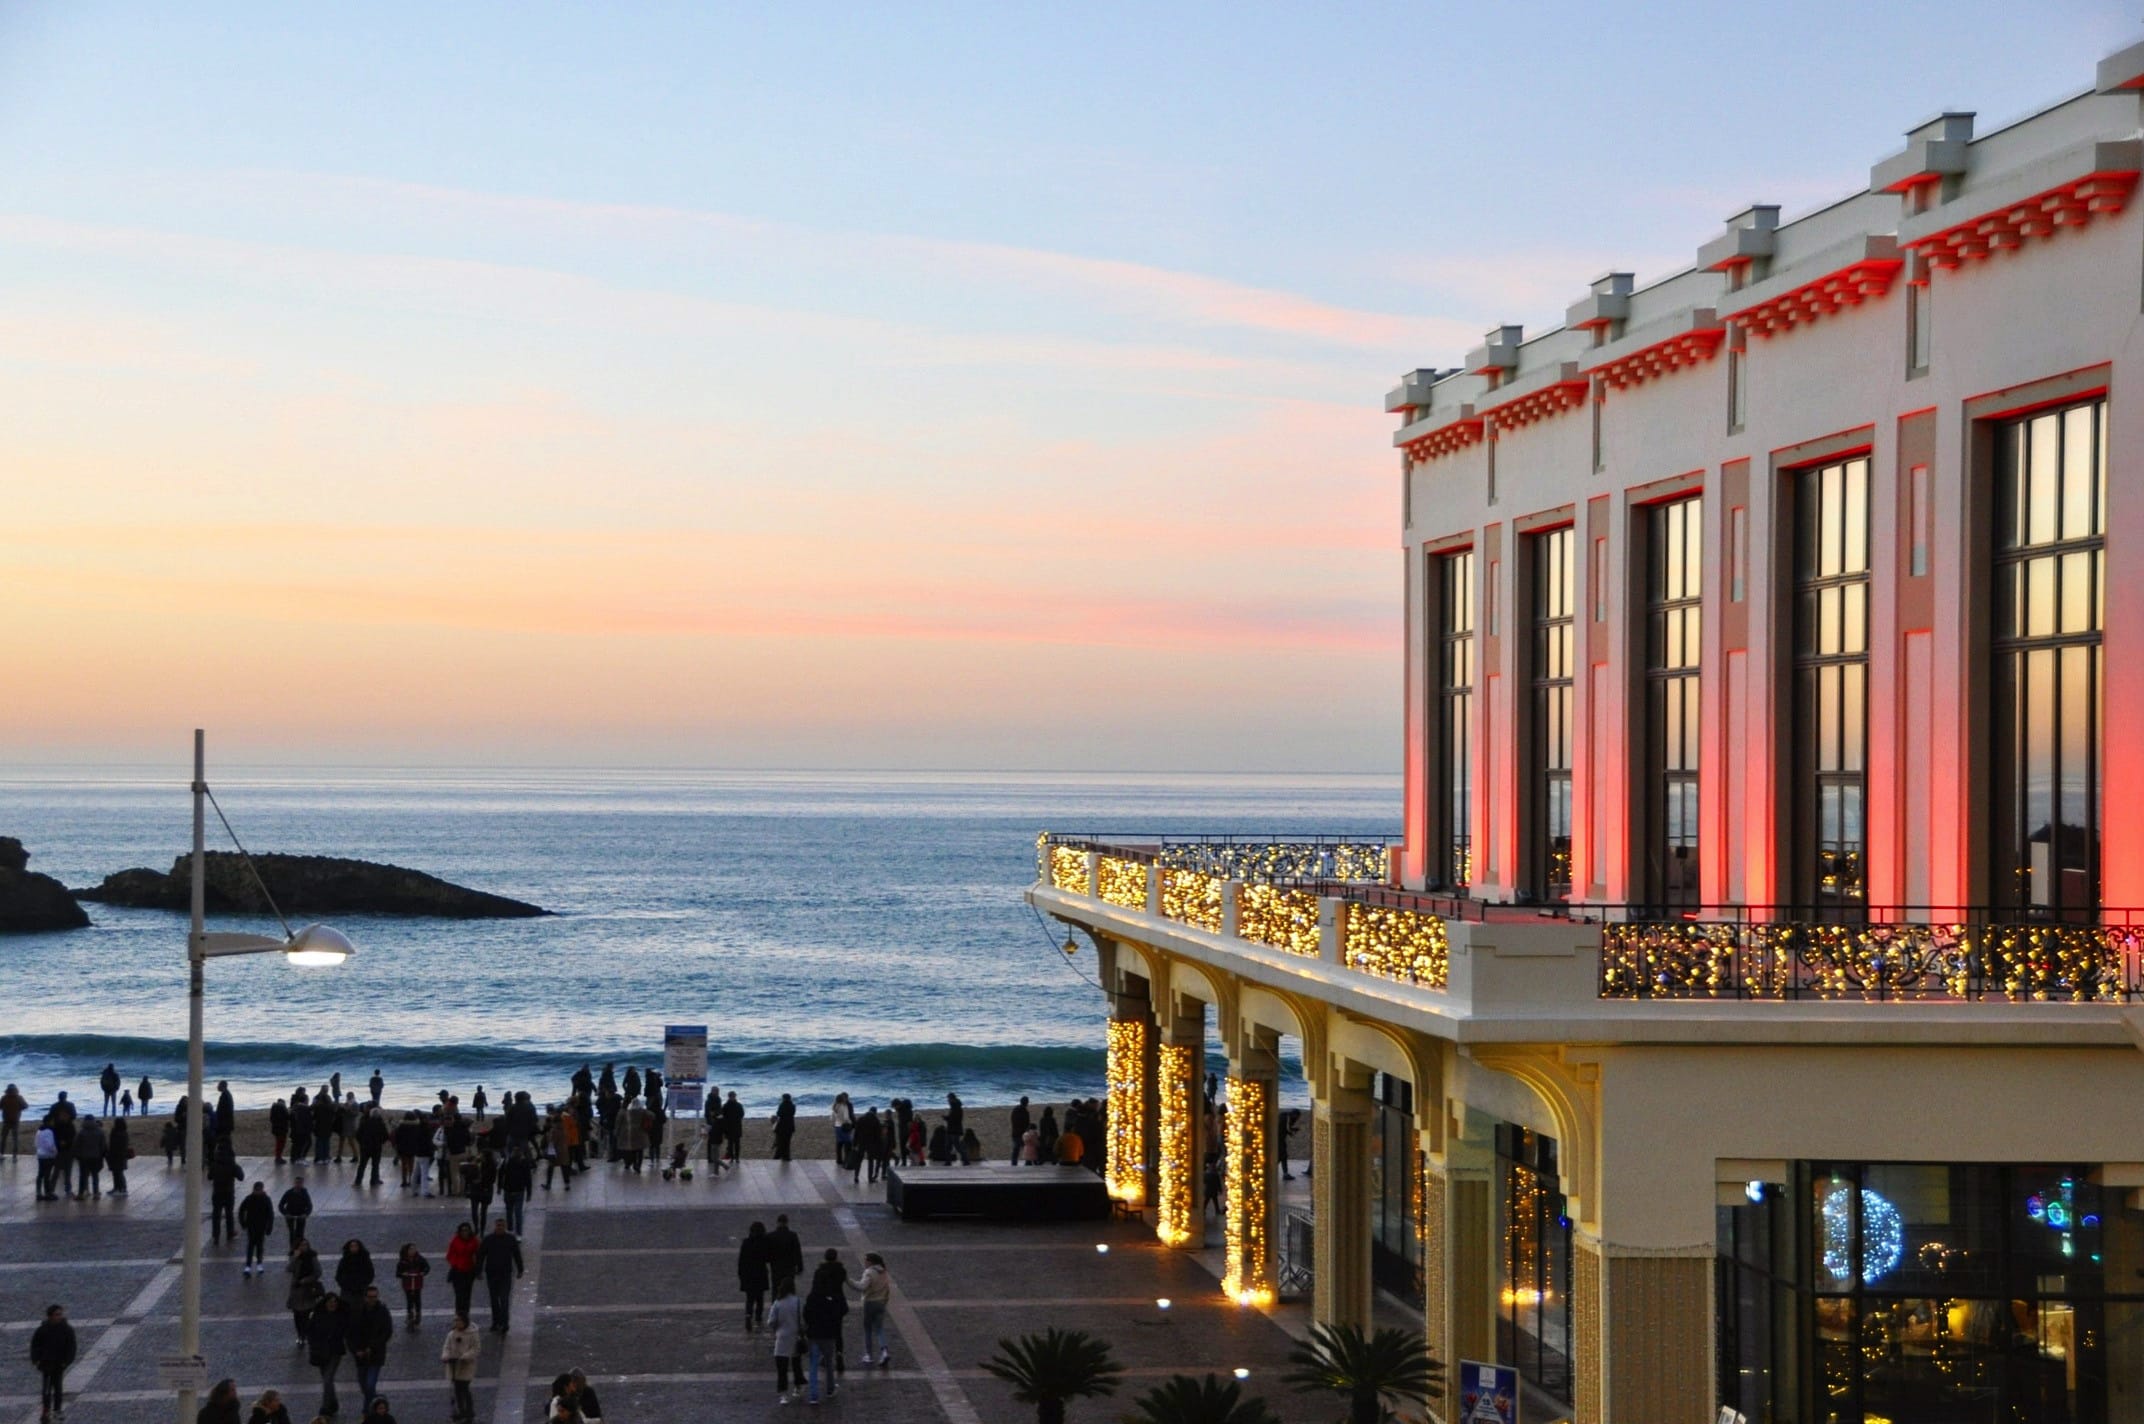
{"points": [[306, 885], [29, 902]]}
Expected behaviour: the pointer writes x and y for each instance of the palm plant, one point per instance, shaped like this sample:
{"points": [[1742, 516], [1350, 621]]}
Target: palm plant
{"points": [[1180, 1399], [1394, 1364], [1047, 1369]]}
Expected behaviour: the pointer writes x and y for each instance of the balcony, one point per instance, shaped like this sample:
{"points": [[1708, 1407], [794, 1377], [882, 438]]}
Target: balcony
{"points": [[1784, 952]]}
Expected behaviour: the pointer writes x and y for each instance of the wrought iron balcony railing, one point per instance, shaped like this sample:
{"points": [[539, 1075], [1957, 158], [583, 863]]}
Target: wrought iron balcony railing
{"points": [[1897, 952]]}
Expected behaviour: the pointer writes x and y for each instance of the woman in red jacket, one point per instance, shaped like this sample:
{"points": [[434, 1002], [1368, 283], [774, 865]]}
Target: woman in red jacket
{"points": [[461, 1265]]}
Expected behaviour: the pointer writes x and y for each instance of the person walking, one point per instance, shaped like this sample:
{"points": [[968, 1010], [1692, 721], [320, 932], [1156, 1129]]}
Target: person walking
{"points": [[499, 1258], [89, 1159], [844, 1115], [52, 1348], [786, 1319], [458, 1354], [785, 1253], [269, 1409], [461, 1266], [876, 1288], [424, 1147], [516, 1177], [256, 1218], [306, 1286], [562, 1140], [109, 1081], [371, 1331], [753, 1274], [222, 1406], [224, 1175], [479, 1182], [371, 1141], [118, 1152], [296, 1208], [870, 1144], [785, 1127], [353, 1272], [823, 1311], [410, 1269], [327, 1332]]}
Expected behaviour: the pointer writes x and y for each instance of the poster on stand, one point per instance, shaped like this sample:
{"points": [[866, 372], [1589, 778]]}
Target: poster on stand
{"points": [[1488, 1394], [684, 1069]]}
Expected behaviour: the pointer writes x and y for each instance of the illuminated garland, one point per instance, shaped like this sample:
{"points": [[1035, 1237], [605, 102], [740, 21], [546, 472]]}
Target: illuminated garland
{"points": [[2035, 963], [1280, 860], [1397, 944], [1883, 1236], [1068, 869], [1283, 918], [1248, 1278], [1125, 1166], [1176, 1198], [1122, 882], [1192, 898]]}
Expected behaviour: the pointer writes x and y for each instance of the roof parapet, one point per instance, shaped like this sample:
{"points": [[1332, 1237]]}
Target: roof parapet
{"points": [[1934, 150], [2122, 70], [1608, 303], [1499, 351], [1749, 236], [1412, 392]]}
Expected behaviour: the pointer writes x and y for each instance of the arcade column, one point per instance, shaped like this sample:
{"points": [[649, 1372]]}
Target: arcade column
{"points": [[1253, 1215], [1340, 1192]]}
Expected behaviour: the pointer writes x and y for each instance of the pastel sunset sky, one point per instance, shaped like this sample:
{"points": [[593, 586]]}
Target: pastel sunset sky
{"points": [[793, 386]]}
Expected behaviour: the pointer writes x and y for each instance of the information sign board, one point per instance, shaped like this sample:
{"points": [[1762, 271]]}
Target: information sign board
{"points": [[1488, 1394], [181, 1373]]}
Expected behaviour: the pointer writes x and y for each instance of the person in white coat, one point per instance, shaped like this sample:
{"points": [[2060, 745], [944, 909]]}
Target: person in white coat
{"points": [[786, 1319], [459, 1354]]}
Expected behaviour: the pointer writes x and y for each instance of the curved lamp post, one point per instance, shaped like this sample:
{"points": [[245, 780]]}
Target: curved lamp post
{"points": [[312, 946]]}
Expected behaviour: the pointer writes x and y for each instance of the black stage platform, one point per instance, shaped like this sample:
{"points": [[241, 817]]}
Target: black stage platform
{"points": [[997, 1190]]}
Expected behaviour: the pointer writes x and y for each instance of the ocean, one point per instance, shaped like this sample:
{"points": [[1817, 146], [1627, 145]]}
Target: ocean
{"points": [[835, 931]]}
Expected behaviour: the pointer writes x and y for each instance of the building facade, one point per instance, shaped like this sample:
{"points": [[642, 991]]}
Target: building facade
{"points": [[1757, 975]]}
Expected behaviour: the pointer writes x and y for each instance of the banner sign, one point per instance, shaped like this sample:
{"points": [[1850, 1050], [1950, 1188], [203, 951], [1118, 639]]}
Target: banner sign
{"points": [[684, 1069], [1488, 1394]]}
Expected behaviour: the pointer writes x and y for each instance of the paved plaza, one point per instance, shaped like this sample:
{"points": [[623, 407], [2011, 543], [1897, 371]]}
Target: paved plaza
{"points": [[631, 1279]]}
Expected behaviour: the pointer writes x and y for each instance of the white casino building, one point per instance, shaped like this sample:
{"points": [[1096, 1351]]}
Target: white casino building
{"points": [[1752, 1013]]}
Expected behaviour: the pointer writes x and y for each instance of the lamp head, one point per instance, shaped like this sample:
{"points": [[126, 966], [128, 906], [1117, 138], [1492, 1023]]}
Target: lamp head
{"points": [[317, 946]]}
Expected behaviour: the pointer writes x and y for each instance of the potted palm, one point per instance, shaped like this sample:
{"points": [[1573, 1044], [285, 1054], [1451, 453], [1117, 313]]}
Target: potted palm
{"points": [[1366, 1370], [1048, 1369], [1180, 1399]]}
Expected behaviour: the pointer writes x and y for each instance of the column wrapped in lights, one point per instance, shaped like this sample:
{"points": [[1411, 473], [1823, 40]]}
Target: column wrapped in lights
{"points": [[1175, 1195], [1248, 1278], [1125, 1165]]}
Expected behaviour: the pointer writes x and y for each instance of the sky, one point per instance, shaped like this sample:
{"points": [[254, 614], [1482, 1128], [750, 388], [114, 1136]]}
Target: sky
{"points": [[926, 386]]}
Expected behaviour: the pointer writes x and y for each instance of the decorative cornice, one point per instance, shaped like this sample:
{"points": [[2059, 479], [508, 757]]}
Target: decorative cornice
{"points": [[1453, 435], [1566, 392], [2102, 190], [1695, 337], [1874, 264]]}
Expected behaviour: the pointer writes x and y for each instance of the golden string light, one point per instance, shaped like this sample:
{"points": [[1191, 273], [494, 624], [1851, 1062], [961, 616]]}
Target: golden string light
{"points": [[1193, 898], [1248, 1278], [1397, 944], [1068, 869], [1176, 1193], [1279, 916], [1125, 1163], [1122, 881]]}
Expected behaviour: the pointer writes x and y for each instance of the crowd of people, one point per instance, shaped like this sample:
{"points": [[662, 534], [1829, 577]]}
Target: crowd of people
{"points": [[339, 1311]]}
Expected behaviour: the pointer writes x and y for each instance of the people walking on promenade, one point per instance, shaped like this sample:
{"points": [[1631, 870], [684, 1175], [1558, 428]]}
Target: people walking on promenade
{"points": [[89, 1159], [410, 1269], [785, 1253], [354, 1271], [296, 1207], [118, 1152], [327, 1342], [371, 1331], [479, 1180], [499, 1259], [785, 1318], [47, 1148], [108, 1080], [52, 1349], [517, 1176], [224, 1175], [823, 1311], [306, 1286], [876, 1288], [256, 1218], [753, 1257], [458, 1353], [461, 1265], [269, 1409]]}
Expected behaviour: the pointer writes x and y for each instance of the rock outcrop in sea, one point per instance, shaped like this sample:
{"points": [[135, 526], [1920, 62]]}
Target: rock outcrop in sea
{"points": [[29, 902], [307, 885]]}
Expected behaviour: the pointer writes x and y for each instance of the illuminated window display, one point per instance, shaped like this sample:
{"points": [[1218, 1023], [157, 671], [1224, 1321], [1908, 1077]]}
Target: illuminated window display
{"points": [[1533, 1297], [1930, 1291]]}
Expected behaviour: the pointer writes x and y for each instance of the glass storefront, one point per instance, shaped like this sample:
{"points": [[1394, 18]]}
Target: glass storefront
{"points": [[1395, 1181], [1533, 1273], [1919, 1293]]}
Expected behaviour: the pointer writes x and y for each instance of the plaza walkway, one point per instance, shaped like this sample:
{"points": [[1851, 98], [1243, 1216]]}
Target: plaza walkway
{"points": [[631, 1279]]}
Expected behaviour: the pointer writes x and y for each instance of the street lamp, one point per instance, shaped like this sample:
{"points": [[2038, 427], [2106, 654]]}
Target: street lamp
{"points": [[313, 946]]}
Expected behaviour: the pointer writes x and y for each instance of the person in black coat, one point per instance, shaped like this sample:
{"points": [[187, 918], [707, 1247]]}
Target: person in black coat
{"points": [[354, 1271], [224, 1175], [753, 1258], [371, 1138], [269, 1409], [279, 1129], [822, 1331], [371, 1331], [222, 1406], [301, 1126], [52, 1347], [226, 1110], [732, 1128], [785, 1253], [256, 1217], [296, 1208], [785, 1127], [326, 1342], [499, 1261]]}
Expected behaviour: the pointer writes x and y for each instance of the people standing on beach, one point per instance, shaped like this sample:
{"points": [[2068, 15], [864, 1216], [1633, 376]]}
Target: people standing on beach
{"points": [[52, 1349], [630, 1087], [279, 1127], [844, 1115], [144, 1093], [478, 1102], [499, 1259], [1047, 1134], [410, 1269], [118, 1151], [108, 1080], [301, 1125], [753, 1258], [461, 1267], [458, 1354], [956, 1116], [378, 1085], [295, 1208], [256, 1218], [12, 1106], [785, 1127], [371, 1142], [1021, 1121], [226, 1110]]}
